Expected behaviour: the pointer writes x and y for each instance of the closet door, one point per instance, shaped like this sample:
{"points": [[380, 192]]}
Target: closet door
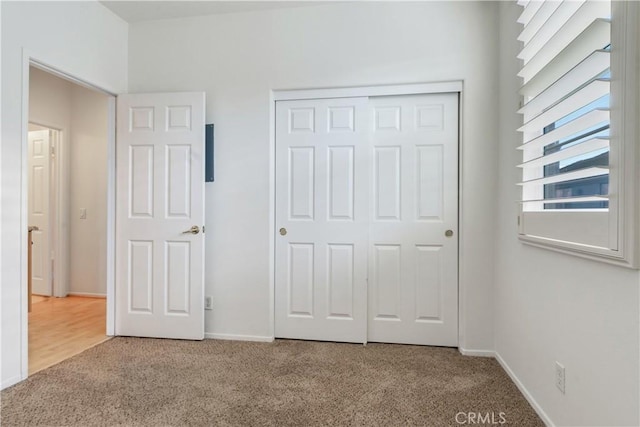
{"points": [[322, 192], [413, 257]]}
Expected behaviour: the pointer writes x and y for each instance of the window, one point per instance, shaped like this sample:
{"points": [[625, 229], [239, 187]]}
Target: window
{"points": [[578, 145]]}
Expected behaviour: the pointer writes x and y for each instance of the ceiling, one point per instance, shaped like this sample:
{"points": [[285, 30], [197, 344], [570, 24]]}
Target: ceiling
{"points": [[149, 10]]}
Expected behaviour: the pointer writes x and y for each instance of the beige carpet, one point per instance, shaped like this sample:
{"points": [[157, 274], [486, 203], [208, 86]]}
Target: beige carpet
{"points": [[133, 381]]}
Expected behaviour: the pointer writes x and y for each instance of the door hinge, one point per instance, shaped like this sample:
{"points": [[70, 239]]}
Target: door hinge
{"points": [[53, 151], [518, 220]]}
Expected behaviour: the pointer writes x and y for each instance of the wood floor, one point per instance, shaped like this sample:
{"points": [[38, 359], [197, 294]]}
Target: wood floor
{"points": [[63, 327]]}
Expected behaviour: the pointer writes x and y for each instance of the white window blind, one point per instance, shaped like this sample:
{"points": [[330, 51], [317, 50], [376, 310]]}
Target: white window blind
{"points": [[566, 101], [570, 162]]}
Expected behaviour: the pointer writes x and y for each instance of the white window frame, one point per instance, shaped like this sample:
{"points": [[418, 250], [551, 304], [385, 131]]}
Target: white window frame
{"points": [[611, 236]]}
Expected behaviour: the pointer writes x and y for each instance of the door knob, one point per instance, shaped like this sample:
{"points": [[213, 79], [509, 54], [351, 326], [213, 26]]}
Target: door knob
{"points": [[448, 233], [283, 231], [193, 230]]}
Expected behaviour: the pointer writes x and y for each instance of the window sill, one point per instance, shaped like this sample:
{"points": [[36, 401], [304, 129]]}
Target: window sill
{"points": [[593, 253]]}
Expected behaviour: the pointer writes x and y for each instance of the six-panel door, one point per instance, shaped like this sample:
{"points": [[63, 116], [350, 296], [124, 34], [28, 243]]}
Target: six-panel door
{"points": [[39, 162], [322, 216], [413, 264], [160, 197]]}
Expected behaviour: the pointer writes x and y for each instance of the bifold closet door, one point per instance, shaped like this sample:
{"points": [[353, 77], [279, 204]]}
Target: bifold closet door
{"points": [[413, 259], [322, 196]]}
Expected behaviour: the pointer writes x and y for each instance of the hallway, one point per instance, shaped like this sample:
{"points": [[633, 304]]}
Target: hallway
{"points": [[62, 327]]}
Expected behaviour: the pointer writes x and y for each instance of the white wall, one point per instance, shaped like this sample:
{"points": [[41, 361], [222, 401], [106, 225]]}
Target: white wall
{"points": [[86, 40], [555, 307], [88, 190], [49, 100], [238, 58]]}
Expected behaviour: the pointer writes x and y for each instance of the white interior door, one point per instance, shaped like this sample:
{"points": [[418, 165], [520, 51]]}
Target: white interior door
{"points": [[322, 172], [413, 279], [159, 198], [39, 164]]}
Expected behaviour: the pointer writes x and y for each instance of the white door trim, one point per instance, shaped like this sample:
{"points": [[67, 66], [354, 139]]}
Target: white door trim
{"points": [[383, 90], [32, 59], [348, 92]]}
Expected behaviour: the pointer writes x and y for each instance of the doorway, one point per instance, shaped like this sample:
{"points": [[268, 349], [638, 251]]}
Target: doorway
{"points": [[366, 213], [67, 209]]}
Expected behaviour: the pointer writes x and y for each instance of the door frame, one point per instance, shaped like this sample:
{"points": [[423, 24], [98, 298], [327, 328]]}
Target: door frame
{"points": [[32, 59], [455, 86]]}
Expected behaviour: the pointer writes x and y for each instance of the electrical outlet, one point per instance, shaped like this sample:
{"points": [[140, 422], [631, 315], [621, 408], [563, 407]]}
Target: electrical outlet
{"points": [[208, 303], [560, 377], [83, 213]]}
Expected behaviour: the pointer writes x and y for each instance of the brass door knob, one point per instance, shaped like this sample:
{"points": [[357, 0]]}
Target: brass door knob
{"points": [[283, 231], [448, 233], [193, 230]]}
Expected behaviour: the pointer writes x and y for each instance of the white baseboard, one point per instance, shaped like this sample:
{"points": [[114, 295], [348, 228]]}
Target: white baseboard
{"points": [[543, 415], [86, 294], [476, 353], [233, 337], [11, 381]]}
